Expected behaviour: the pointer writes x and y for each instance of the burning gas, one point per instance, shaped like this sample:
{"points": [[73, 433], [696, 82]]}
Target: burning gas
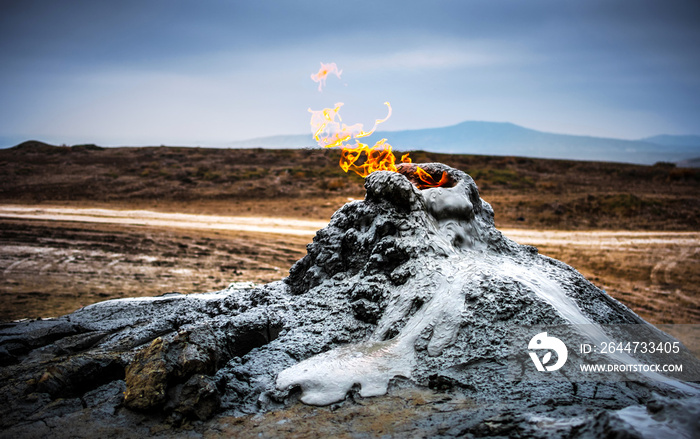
{"points": [[330, 131], [323, 73]]}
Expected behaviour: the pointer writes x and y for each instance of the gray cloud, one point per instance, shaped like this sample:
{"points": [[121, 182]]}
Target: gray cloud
{"points": [[584, 61]]}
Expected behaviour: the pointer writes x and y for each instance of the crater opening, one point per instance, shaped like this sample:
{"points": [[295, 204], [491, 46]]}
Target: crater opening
{"points": [[426, 175]]}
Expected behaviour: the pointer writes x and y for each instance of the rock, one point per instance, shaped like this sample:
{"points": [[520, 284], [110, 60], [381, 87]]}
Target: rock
{"points": [[409, 290], [197, 398], [165, 365], [147, 378]]}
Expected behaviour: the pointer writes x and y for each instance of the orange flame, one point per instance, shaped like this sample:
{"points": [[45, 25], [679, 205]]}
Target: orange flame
{"points": [[323, 73], [330, 131], [428, 181]]}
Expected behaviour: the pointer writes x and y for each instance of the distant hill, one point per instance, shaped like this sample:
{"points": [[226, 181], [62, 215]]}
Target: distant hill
{"points": [[690, 163], [278, 142], [496, 138], [35, 146], [669, 140], [507, 139]]}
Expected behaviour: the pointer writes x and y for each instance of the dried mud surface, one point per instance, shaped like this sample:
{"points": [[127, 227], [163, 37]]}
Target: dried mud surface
{"points": [[403, 412], [50, 268], [656, 274]]}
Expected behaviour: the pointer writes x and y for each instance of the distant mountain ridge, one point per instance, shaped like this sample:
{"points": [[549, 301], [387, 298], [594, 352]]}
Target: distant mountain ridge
{"points": [[669, 140], [507, 139], [503, 138], [690, 163]]}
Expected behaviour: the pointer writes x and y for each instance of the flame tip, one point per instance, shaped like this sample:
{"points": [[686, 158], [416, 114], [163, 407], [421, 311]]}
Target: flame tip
{"points": [[323, 73]]}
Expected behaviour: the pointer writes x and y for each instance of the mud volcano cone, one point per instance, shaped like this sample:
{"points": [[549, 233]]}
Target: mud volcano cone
{"points": [[441, 294], [410, 287]]}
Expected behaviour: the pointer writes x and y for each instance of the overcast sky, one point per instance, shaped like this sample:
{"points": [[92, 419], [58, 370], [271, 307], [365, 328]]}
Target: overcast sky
{"points": [[206, 72]]}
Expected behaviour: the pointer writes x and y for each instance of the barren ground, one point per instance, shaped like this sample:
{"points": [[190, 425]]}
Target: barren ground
{"points": [[632, 230], [54, 260]]}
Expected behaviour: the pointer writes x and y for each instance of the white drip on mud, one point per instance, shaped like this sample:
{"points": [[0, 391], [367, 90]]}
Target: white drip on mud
{"points": [[326, 378]]}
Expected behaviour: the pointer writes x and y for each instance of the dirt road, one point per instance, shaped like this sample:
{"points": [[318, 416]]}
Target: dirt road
{"points": [[600, 239], [284, 226], [55, 259]]}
